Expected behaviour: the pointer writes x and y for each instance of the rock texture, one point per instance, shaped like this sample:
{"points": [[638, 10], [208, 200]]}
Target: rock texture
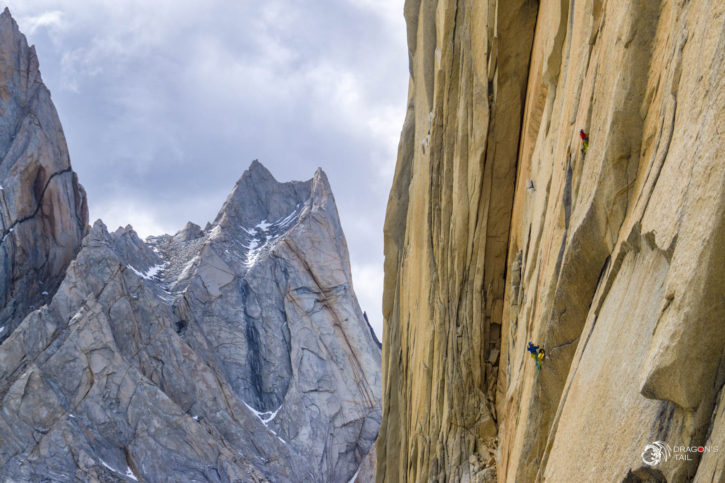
{"points": [[233, 353], [43, 210], [614, 257], [237, 353], [446, 237]]}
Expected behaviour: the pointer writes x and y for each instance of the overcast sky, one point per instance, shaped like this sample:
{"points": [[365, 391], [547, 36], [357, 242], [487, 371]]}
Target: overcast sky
{"points": [[165, 103]]}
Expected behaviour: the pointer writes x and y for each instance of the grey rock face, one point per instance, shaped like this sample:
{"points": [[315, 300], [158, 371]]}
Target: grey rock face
{"points": [[43, 211], [233, 353], [236, 353]]}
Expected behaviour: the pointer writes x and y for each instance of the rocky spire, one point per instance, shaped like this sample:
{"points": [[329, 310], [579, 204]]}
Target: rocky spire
{"points": [[43, 210], [246, 338], [234, 353], [258, 196]]}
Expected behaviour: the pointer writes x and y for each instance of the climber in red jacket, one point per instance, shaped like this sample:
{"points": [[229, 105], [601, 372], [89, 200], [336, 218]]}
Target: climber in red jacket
{"points": [[585, 140]]}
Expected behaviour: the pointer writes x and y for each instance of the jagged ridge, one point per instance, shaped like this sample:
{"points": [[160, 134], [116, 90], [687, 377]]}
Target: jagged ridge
{"points": [[233, 353]]}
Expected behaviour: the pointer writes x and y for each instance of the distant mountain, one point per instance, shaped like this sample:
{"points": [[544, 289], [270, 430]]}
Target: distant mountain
{"points": [[237, 352]]}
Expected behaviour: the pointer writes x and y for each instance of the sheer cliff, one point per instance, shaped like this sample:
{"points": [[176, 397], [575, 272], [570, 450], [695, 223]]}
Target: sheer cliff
{"points": [[237, 352], [44, 214], [504, 226]]}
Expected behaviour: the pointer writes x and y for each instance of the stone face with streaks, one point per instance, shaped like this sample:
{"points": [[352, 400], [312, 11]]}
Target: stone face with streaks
{"points": [[502, 229], [233, 353], [43, 211], [239, 352]]}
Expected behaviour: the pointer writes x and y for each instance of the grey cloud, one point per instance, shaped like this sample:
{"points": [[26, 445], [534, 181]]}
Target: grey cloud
{"points": [[165, 103]]}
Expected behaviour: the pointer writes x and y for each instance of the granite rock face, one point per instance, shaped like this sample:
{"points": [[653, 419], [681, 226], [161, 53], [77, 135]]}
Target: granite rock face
{"points": [[233, 353], [446, 235], [502, 229], [43, 210]]}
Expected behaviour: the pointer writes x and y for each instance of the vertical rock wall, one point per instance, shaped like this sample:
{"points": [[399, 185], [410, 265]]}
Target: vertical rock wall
{"points": [[43, 209], [621, 249], [446, 236], [615, 258]]}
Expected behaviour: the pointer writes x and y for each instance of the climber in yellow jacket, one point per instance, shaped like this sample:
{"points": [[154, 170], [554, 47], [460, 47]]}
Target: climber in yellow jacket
{"points": [[537, 354], [585, 141]]}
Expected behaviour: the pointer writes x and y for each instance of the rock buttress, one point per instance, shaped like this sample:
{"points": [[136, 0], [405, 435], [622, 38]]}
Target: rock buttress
{"points": [[446, 235], [43, 209]]}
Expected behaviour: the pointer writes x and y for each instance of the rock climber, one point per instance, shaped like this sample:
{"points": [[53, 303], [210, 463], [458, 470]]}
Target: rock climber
{"points": [[585, 141], [537, 354], [540, 357]]}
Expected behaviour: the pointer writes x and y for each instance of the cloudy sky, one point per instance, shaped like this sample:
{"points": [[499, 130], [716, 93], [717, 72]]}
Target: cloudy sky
{"points": [[165, 103]]}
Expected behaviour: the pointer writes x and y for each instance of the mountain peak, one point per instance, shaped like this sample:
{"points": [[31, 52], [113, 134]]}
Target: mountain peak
{"points": [[258, 196], [245, 338], [257, 166], [8, 22]]}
